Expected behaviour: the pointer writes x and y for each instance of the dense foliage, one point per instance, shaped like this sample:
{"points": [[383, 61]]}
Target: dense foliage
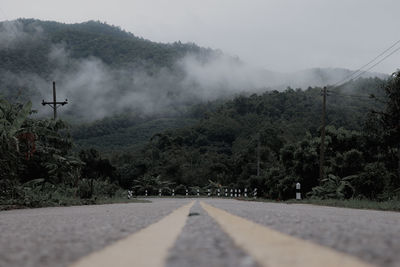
{"points": [[218, 150], [361, 145], [38, 167], [109, 43]]}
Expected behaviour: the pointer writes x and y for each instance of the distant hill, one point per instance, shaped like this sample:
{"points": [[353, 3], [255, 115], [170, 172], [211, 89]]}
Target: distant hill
{"points": [[30, 43], [118, 72], [142, 87]]}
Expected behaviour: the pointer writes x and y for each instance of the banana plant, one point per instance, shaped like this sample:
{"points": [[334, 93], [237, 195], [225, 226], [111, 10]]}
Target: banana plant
{"points": [[334, 187], [12, 118]]}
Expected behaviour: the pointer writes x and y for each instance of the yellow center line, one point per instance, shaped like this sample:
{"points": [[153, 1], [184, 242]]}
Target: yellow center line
{"points": [[147, 247], [274, 249]]}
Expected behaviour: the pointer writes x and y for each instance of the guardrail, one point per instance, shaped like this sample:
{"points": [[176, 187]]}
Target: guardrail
{"points": [[209, 192], [223, 192]]}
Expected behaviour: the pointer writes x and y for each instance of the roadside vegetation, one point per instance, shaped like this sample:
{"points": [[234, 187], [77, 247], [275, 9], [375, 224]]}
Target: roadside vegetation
{"points": [[389, 205], [39, 166]]}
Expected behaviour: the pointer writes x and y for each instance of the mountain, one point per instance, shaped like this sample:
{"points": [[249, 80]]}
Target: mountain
{"points": [[124, 87], [94, 62], [105, 71]]}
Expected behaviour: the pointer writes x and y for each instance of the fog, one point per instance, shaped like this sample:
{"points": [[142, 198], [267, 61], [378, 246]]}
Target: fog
{"points": [[96, 90]]}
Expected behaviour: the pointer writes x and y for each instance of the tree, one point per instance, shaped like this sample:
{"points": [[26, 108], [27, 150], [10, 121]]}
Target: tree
{"points": [[391, 115], [384, 126]]}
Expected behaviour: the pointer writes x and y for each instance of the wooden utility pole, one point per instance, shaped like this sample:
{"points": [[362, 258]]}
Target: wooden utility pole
{"points": [[55, 104], [322, 148], [258, 155]]}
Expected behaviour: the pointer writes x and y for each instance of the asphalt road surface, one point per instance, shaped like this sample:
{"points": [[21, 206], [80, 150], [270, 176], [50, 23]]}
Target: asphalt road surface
{"points": [[199, 232]]}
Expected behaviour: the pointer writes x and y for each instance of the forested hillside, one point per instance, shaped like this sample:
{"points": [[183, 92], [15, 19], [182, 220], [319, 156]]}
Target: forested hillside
{"points": [[31, 42], [105, 71], [284, 128]]}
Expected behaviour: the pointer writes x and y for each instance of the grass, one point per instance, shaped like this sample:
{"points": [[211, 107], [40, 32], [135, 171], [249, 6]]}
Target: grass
{"points": [[66, 202], [390, 205]]}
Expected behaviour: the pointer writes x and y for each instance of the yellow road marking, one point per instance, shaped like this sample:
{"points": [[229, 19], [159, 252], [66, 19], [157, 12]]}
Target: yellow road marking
{"points": [[148, 247], [274, 249]]}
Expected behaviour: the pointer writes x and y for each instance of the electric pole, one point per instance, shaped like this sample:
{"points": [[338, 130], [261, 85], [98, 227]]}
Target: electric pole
{"points": [[258, 155], [322, 148], [54, 104]]}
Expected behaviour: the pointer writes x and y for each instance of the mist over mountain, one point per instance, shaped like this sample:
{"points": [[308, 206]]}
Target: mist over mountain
{"points": [[104, 70]]}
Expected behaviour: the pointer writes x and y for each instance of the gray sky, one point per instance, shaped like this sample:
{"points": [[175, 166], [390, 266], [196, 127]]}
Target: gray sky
{"points": [[280, 35]]}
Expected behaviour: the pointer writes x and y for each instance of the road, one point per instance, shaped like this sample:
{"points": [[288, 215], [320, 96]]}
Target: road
{"points": [[199, 232]]}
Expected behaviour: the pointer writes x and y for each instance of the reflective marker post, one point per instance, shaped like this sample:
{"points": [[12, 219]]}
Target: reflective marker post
{"points": [[298, 193], [245, 192], [145, 193], [159, 192], [173, 192], [187, 192]]}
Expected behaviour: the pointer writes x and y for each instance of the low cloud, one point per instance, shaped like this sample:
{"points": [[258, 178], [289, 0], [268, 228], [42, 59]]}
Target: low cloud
{"points": [[96, 90], [13, 33]]}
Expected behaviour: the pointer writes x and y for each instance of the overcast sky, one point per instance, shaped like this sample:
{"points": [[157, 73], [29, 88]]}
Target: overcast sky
{"points": [[280, 35]]}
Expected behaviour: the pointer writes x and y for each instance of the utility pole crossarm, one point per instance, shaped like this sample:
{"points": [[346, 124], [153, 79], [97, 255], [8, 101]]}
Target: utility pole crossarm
{"points": [[54, 104]]}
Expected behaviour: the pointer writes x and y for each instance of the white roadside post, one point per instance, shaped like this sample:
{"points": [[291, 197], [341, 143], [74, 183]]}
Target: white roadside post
{"points": [[239, 193], [145, 192], [231, 192], [235, 192], [245, 192], [173, 192], [226, 192], [255, 193], [198, 192], [218, 192], [187, 192], [159, 192], [298, 193], [129, 194], [208, 194]]}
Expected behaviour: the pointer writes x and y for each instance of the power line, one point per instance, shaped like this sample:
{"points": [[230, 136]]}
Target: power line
{"points": [[364, 71], [376, 63], [370, 62]]}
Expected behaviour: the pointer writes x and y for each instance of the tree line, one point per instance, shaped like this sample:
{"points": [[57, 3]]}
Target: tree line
{"points": [[40, 165], [282, 130]]}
